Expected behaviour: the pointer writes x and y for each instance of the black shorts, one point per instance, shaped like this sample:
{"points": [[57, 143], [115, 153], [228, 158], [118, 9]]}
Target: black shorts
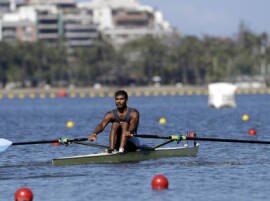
{"points": [[130, 146]]}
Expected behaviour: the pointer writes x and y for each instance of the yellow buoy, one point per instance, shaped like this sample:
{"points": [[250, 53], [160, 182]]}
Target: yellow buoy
{"points": [[70, 124], [245, 117], [162, 121]]}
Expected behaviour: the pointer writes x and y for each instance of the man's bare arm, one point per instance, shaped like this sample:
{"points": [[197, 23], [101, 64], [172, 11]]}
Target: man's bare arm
{"points": [[134, 122], [101, 126]]}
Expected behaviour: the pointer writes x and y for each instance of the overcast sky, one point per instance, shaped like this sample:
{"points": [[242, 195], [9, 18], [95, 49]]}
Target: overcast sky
{"points": [[214, 17]]}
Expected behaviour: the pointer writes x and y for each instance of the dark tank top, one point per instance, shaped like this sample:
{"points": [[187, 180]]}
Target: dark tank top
{"points": [[125, 119]]}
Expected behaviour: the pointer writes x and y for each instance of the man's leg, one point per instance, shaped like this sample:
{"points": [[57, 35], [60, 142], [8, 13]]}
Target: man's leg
{"points": [[129, 144], [114, 135], [123, 143]]}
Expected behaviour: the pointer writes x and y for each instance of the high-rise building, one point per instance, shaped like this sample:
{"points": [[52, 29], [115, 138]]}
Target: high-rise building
{"points": [[48, 23], [123, 20], [19, 25], [78, 24], [78, 28], [7, 6]]}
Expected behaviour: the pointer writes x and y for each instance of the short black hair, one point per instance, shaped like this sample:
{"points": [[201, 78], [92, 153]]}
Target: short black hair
{"points": [[121, 93]]}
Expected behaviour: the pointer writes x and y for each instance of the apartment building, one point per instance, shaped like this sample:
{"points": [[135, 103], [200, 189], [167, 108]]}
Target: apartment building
{"points": [[48, 23], [124, 20], [22, 31], [7, 6], [78, 28], [79, 23], [19, 25]]}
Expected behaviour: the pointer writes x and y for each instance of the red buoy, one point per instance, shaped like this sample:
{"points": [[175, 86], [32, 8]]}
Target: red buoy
{"points": [[160, 182], [23, 194], [62, 93], [252, 131]]}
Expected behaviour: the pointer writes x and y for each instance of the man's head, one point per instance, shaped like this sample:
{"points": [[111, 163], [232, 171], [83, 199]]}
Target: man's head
{"points": [[121, 93], [121, 98]]}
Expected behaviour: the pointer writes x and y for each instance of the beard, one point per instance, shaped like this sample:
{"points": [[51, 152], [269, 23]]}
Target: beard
{"points": [[121, 106]]}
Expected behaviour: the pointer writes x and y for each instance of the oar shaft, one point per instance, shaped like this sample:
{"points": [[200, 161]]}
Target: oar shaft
{"points": [[153, 136], [180, 137], [226, 140], [78, 139], [35, 142], [48, 141], [91, 145], [4, 143]]}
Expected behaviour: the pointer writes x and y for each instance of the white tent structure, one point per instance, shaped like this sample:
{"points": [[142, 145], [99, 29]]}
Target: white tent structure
{"points": [[221, 94]]}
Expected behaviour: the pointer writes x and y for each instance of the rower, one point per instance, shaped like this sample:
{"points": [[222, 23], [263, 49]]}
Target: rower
{"points": [[124, 123]]}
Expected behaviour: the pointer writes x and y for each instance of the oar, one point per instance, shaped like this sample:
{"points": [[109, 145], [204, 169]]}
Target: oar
{"points": [[181, 137], [225, 140], [4, 143], [154, 136], [92, 145]]}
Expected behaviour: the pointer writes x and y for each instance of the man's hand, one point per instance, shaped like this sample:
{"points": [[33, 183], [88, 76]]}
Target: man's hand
{"points": [[92, 137], [128, 134], [64, 141]]}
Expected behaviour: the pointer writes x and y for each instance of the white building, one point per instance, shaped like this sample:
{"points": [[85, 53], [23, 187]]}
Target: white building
{"points": [[118, 21], [19, 25], [7, 6], [123, 20]]}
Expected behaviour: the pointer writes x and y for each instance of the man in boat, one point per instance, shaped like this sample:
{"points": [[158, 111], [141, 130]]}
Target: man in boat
{"points": [[124, 123]]}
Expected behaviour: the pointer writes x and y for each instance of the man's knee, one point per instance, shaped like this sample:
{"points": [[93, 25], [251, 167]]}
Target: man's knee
{"points": [[115, 126], [124, 126]]}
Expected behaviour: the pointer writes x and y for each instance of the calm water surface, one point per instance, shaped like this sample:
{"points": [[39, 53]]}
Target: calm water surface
{"points": [[221, 171]]}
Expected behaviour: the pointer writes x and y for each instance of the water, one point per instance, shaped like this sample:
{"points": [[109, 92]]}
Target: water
{"points": [[221, 171]]}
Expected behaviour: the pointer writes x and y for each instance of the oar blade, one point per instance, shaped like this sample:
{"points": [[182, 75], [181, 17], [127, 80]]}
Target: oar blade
{"points": [[4, 144]]}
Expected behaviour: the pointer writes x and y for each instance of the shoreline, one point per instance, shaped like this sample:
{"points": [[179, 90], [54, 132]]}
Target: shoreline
{"points": [[109, 91]]}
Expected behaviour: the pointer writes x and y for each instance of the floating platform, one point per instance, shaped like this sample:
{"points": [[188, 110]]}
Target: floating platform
{"points": [[221, 95]]}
